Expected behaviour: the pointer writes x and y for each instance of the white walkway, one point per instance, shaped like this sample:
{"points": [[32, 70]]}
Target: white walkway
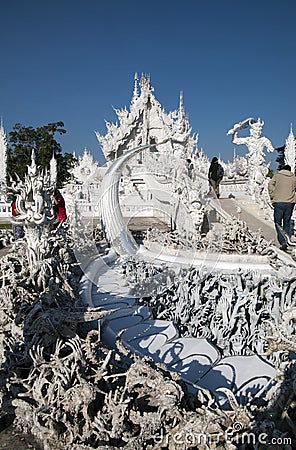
{"points": [[196, 360]]}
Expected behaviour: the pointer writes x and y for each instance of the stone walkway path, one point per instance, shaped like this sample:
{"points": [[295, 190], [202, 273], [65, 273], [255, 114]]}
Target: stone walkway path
{"points": [[252, 215]]}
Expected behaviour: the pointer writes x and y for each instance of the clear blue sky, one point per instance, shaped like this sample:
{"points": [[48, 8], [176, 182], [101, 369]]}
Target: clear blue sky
{"points": [[71, 61]]}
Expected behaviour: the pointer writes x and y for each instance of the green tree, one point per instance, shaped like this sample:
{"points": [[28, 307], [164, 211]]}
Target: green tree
{"points": [[22, 140], [281, 155]]}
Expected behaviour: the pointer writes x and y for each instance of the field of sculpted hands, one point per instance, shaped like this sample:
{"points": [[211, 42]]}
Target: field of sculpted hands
{"points": [[61, 385]]}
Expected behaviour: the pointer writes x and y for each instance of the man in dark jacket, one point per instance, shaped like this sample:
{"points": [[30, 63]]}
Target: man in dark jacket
{"points": [[282, 189], [215, 175]]}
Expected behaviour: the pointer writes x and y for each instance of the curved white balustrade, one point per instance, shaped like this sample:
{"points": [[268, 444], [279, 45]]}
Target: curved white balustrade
{"points": [[196, 360], [112, 218]]}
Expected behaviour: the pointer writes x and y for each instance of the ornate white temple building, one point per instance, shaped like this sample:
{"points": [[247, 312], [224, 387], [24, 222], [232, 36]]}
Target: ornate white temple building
{"points": [[147, 123], [180, 181], [145, 191]]}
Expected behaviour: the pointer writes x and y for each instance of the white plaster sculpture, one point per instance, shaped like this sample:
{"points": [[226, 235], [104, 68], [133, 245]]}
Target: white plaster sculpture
{"points": [[234, 238], [35, 207], [83, 187], [112, 219], [257, 169], [86, 170], [242, 313], [237, 169], [39, 319]]}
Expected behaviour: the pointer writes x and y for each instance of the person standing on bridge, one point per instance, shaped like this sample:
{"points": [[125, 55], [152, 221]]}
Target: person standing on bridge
{"points": [[215, 175], [281, 190]]}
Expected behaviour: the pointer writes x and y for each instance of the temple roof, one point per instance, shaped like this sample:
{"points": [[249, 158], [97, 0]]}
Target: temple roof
{"points": [[146, 122]]}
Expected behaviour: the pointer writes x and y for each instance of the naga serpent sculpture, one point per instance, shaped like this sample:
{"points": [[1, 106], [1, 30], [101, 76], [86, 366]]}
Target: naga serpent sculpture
{"points": [[112, 219]]}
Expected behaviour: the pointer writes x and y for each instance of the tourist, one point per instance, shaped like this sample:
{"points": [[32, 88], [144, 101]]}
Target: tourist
{"points": [[190, 168], [17, 230], [59, 207], [215, 175], [281, 189]]}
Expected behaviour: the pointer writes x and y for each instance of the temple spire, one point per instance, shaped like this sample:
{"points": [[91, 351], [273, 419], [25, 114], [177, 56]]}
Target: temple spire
{"points": [[181, 107], [181, 114], [181, 101], [135, 93], [142, 82], [290, 149]]}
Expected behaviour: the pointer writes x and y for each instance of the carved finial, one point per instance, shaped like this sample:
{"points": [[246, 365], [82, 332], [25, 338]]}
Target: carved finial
{"points": [[32, 169], [135, 93], [142, 81], [181, 98], [181, 106]]}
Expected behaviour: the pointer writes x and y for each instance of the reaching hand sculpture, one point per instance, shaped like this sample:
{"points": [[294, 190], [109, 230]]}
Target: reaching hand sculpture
{"points": [[257, 169]]}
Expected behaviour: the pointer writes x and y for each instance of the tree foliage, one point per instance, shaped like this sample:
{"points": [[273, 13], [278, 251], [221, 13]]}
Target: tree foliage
{"points": [[281, 155], [22, 140]]}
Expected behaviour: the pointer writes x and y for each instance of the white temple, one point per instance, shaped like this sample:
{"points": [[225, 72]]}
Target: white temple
{"points": [[84, 186], [164, 194], [142, 190]]}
